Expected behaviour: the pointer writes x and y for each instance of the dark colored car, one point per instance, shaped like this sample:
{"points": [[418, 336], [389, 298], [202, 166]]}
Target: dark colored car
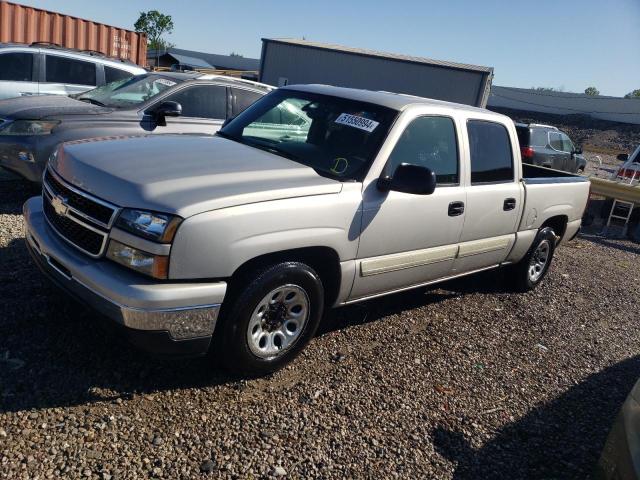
{"points": [[194, 103], [620, 457], [546, 146]]}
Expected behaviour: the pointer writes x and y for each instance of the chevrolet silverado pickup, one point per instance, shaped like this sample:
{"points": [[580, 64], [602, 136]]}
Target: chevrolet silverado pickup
{"points": [[314, 197]]}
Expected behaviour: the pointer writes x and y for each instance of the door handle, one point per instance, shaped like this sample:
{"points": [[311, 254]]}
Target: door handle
{"points": [[456, 208], [509, 204]]}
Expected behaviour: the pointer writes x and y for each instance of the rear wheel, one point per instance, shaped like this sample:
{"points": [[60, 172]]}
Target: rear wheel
{"points": [[530, 271], [270, 319]]}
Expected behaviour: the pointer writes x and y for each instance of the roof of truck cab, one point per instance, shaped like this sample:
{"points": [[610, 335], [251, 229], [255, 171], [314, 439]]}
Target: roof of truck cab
{"points": [[396, 101]]}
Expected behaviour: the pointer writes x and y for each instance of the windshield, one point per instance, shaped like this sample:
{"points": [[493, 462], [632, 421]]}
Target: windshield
{"points": [[335, 136], [128, 92]]}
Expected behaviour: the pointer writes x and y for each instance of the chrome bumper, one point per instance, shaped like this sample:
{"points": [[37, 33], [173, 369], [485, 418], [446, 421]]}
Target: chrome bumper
{"points": [[184, 310]]}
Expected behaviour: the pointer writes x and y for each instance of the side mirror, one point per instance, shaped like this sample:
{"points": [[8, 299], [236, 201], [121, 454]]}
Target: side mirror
{"points": [[577, 150], [409, 179], [166, 109], [623, 157]]}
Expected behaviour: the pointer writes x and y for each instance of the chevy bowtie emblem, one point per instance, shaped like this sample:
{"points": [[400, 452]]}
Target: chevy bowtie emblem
{"points": [[59, 204]]}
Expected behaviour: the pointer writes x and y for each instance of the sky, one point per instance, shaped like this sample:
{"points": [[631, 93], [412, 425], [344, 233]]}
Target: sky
{"points": [[565, 44]]}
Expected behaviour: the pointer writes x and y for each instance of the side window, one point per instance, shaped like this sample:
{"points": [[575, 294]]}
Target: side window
{"points": [[538, 137], [555, 141], [242, 99], [490, 149], [17, 67], [429, 142], [69, 70], [567, 144], [202, 101], [114, 74]]}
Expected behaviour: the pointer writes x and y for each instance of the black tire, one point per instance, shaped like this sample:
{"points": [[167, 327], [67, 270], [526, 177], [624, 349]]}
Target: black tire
{"points": [[521, 275], [232, 342]]}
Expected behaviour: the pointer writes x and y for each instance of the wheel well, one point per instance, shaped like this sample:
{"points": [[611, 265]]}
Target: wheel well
{"points": [[558, 223], [323, 260]]}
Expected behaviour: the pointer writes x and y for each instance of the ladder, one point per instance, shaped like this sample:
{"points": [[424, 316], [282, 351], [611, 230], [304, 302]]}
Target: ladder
{"points": [[620, 210]]}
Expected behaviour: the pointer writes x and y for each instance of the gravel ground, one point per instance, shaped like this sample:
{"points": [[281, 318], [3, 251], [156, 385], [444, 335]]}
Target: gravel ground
{"points": [[463, 381]]}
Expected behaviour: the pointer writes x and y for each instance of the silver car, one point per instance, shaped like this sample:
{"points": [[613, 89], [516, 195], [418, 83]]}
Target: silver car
{"points": [[38, 70]]}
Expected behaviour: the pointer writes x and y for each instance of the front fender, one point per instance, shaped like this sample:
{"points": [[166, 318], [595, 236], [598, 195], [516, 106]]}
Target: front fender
{"points": [[215, 244]]}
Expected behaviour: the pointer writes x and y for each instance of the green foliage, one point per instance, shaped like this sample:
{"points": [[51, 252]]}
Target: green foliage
{"points": [[592, 91], [634, 94], [154, 24]]}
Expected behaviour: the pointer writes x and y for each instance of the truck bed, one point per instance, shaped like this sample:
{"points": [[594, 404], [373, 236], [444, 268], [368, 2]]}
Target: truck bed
{"points": [[533, 174], [552, 193]]}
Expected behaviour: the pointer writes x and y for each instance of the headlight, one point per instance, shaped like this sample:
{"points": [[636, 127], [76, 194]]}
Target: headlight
{"points": [[156, 266], [159, 227], [28, 127]]}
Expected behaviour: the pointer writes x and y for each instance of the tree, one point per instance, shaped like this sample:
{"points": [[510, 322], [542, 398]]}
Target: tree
{"points": [[634, 94], [234, 54], [155, 24], [592, 91]]}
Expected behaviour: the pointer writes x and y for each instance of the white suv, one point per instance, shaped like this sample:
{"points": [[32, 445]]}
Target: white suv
{"points": [[38, 70]]}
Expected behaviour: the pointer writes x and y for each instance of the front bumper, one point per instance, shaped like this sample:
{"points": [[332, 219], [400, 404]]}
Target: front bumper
{"points": [[174, 318]]}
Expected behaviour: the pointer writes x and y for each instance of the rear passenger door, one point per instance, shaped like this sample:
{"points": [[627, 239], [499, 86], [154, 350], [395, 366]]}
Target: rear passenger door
{"points": [[494, 197], [560, 158], [204, 110], [67, 76]]}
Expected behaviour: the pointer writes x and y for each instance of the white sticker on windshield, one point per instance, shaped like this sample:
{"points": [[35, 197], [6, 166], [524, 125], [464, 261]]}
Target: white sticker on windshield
{"points": [[357, 122], [164, 81]]}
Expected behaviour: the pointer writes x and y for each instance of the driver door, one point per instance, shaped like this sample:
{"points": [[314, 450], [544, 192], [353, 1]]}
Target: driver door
{"points": [[204, 110], [409, 239]]}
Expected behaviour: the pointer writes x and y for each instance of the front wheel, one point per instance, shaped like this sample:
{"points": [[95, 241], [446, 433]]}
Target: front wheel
{"points": [[270, 319], [529, 272]]}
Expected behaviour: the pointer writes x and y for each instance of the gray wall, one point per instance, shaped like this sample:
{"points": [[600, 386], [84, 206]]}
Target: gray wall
{"points": [[303, 65], [625, 110]]}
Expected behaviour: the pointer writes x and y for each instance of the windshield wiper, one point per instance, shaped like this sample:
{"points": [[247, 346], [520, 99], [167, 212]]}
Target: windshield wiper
{"points": [[91, 101]]}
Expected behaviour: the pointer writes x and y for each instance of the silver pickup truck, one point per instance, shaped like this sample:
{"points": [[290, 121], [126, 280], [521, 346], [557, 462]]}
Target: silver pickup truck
{"points": [[314, 197]]}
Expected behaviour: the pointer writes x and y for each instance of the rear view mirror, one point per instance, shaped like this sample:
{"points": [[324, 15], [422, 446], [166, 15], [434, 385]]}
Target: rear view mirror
{"points": [[623, 157], [408, 178], [167, 109]]}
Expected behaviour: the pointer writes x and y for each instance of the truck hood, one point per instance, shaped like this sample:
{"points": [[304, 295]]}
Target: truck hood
{"points": [[184, 174], [38, 107]]}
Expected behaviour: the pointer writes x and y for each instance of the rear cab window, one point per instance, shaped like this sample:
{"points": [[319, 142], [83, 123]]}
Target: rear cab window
{"points": [[16, 66], [241, 99], [69, 70], [490, 151]]}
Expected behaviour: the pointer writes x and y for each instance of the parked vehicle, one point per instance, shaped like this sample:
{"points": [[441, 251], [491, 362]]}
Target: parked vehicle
{"points": [[251, 236], [549, 147], [619, 458], [32, 127], [630, 169], [38, 70]]}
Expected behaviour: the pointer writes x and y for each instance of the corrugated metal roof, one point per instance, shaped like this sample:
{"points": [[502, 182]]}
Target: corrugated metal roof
{"points": [[191, 61], [374, 53], [223, 62], [565, 103]]}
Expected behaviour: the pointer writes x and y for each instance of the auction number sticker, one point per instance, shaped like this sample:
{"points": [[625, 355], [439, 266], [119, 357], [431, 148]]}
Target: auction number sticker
{"points": [[164, 81], [357, 122]]}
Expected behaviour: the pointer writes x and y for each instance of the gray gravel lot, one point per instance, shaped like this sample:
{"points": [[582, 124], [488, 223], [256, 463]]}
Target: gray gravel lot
{"points": [[465, 381]]}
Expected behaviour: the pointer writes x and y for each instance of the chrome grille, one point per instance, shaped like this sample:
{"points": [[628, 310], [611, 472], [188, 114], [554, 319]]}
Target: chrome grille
{"points": [[78, 217]]}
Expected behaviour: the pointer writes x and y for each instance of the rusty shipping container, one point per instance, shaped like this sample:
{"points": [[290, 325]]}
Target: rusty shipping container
{"points": [[22, 24]]}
